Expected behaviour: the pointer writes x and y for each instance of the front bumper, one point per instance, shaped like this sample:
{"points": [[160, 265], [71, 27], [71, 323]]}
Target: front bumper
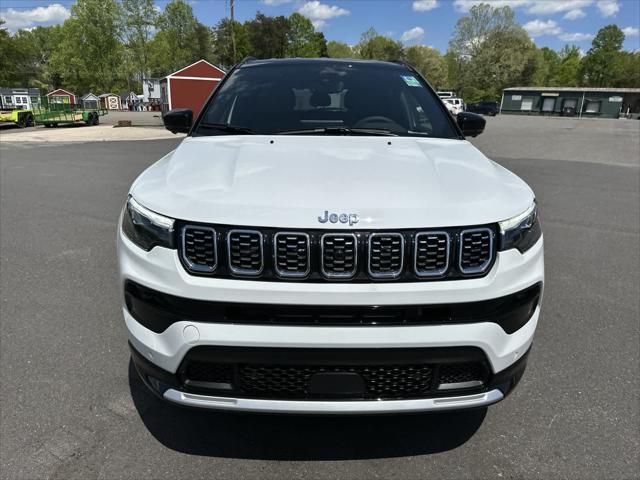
{"points": [[160, 269]]}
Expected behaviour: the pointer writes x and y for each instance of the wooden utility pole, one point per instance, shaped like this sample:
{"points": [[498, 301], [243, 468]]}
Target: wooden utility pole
{"points": [[233, 35]]}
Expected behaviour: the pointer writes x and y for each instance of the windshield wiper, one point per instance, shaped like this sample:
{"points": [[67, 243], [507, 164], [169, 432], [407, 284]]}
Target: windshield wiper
{"points": [[338, 131], [226, 127]]}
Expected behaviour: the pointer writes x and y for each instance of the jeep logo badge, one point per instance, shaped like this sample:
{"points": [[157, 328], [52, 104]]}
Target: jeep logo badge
{"points": [[350, 218]]}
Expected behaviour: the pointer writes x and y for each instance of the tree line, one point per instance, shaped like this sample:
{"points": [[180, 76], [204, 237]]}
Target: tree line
{"points": [[111, 45]]}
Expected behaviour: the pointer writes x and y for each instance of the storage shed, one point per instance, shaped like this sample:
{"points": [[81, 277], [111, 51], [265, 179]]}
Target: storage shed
{"points": [[90, 101], [61, 97], [190, 87], [19, 98], [571, 101], [110, 101]]}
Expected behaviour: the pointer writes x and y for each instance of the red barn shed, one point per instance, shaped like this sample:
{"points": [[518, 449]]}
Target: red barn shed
{"points": [[62, 97], [189, 87]]}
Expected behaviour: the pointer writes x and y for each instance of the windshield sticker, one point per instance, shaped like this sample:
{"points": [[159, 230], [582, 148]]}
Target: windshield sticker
{"points": [[411, 80]]}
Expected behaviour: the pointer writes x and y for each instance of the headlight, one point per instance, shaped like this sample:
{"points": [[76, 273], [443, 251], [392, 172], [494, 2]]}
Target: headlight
{"points": [[521, 231], [145, 228]]}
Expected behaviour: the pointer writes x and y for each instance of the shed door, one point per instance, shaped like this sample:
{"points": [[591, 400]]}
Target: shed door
{"points": [[527, 104], [548, 104]]}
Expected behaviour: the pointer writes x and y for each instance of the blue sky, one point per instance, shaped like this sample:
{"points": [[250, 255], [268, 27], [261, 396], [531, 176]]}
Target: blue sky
{"points": [[551, 23]]}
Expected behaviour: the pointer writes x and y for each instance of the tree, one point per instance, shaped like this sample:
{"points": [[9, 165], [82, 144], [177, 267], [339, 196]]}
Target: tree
{"points": [[601, 66], [140, 19], [222, 42], [303, 40], [490, 51], [339, 50], [89, 53], [268, 36], [569, 69], [548, 65], [377, 47], [429, 63]]}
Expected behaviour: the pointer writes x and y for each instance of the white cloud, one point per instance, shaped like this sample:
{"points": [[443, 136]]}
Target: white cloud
{"points": [[272, 3], [537, 28], [574, 14], [17, 19], [608, 8], [424, 5], [575, 37], [556, 6], [631, 31], [412, 34], [319, 13]]}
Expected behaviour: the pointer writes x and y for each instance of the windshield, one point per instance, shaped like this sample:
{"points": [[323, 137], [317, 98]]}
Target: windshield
{"points": [[335, 98]]}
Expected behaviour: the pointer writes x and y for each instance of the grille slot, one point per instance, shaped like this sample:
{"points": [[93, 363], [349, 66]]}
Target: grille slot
{"points": [[386, 255], [290, 381], [431, 255], [476, 250], [292, 252], [245, 252], [200, 248], [339, 255]]}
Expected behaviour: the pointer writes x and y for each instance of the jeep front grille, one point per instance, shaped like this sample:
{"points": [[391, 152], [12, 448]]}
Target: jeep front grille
{"points": [[199, 248], [269, 254], [476, 250], [245, 252], [386, 254], [339, 255], [431, 256], [292, 254]]}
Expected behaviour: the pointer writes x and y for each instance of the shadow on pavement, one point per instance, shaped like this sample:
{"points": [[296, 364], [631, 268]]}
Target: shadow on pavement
{"points": [[278, 437]]}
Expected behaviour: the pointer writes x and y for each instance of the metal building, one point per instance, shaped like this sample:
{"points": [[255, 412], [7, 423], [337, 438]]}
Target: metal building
{"points": [[571, 101]]}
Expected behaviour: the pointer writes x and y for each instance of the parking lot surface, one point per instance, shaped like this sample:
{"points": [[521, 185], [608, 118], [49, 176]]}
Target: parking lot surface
{"points": [[72, 408]]}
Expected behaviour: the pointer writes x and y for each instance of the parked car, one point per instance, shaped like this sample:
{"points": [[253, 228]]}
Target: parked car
{"points": [[486, 107], [325, 240], [454, 105]]}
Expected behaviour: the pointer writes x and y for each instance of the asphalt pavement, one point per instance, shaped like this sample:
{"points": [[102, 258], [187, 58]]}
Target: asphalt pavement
{"points": [[72, 408]]}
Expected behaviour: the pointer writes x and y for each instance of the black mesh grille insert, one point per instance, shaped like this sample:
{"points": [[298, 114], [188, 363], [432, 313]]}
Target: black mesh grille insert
{"points": [[339, 255], [475, 250], [245, 252], [381, 381], [292, 254], [431, 253], [199, 248], [461, 372], [386, 253]]}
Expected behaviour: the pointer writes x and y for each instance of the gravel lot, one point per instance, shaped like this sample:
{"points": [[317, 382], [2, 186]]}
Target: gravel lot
{"points": [[71, 407]]}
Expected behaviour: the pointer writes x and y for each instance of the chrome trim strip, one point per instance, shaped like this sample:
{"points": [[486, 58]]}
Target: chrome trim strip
{"points": [[285, 274], [482, 268], [434, 273], [245, 271], [334, 407], [192, 266], [456, 385], [355, 255], [394, 274]]}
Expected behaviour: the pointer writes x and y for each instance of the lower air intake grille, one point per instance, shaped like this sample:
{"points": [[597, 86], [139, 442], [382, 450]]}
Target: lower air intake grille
{"points": [[431, 253], [339, 255], [476, 250], [245, 252], [381, 381], [386, 254], [199, 248], [292, 251], [461, 372]]}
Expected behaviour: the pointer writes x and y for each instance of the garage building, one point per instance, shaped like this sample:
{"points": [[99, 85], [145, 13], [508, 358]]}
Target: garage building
{"points": [[190, 87], [571, 101]]}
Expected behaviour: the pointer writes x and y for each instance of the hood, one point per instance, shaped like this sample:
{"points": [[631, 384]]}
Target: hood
{"points": [[290, 181]]}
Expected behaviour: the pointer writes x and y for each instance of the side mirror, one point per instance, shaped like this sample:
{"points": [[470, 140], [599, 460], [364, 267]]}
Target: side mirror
{"points": [[471, 124], [178, 120]]}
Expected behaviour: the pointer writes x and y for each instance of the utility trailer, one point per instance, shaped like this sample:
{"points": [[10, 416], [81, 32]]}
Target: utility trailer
{"points": [[54, 114], [17, 116]]}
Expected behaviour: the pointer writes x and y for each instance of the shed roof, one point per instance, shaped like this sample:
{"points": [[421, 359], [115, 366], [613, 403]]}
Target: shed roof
{"points": [[89, 95], [14, 90], [199, 69], [60, 91], [573, 89], [107, 95]]}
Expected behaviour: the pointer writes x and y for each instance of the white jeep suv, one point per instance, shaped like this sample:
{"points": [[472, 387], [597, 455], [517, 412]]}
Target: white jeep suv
{"points": [[325, 240]]}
